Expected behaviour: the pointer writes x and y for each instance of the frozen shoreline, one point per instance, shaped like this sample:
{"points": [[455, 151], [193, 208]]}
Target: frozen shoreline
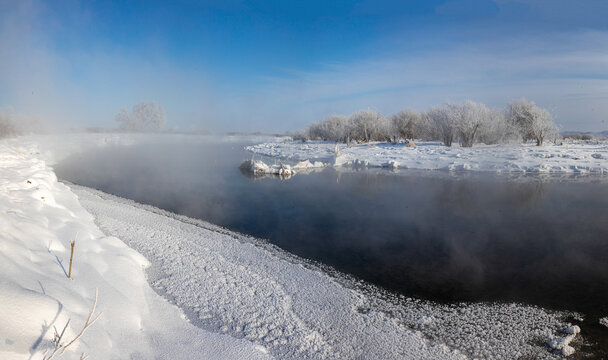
{"points": [[250, 301], [568, 158], [250, 289]]}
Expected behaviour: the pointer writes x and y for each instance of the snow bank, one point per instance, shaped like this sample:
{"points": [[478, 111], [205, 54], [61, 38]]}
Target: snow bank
{"points": [[578, 158], [39, 217]]}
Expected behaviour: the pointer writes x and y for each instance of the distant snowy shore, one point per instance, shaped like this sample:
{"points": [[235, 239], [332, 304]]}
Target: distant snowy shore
{"points": [[247, 299], [573, 157]]}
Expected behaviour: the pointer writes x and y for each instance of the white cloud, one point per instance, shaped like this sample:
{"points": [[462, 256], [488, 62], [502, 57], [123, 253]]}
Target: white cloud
{"points": [[547, 70]]}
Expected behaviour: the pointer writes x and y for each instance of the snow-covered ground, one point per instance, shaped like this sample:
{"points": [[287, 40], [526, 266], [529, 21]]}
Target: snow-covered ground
{"points": [[244, 298], [39, 217], [577, 157]]}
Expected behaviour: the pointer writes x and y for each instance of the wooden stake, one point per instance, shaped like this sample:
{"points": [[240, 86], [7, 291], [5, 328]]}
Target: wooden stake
{"points": [[71, 256]]}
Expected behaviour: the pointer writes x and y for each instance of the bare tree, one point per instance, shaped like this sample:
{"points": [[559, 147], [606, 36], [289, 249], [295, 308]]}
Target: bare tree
{"points": [[144, 117], [532, 121]]}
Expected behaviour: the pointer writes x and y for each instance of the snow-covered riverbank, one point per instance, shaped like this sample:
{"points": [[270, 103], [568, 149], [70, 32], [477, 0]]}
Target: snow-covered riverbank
{"points": [[246, 298], [241, 286], [577, 158], [39, 217]]}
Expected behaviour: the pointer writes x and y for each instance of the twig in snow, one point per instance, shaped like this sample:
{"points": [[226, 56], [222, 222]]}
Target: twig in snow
{"points": [[60, 347], [72, 243]]}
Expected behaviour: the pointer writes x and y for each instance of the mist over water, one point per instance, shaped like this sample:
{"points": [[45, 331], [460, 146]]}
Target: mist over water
{"points": [[468, 237]]}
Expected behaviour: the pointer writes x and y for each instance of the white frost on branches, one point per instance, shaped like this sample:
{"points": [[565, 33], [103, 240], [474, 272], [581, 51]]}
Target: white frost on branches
{"points": [[405, 125], [533, 122], [467, 122], [443, 123]]}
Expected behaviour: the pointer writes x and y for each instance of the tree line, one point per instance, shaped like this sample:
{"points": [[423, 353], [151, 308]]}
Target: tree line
{"points": [[468, 122]]}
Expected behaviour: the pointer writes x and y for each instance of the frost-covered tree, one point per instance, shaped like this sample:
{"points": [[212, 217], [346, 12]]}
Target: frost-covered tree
{"points": [[368, 125], [467, 122], [336, 127], [426, 129], [405, 125], [443, 123], [315, 131], [144, 117], [467, 118], [333, 128], [363, 122], [497, 129], [532, 121]]}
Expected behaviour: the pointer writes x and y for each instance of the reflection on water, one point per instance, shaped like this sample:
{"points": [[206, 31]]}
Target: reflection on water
{"points": [[432, 234]]}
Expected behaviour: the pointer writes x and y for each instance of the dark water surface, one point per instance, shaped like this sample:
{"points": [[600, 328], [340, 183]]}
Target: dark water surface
{"points": [[442, 236]]}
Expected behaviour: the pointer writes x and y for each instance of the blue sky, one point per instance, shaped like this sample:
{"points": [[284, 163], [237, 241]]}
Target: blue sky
{"points": [[278, 65]]}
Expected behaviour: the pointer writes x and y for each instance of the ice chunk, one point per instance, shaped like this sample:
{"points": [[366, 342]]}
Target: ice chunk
{"points": [[563, 344], [258, 167]]}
